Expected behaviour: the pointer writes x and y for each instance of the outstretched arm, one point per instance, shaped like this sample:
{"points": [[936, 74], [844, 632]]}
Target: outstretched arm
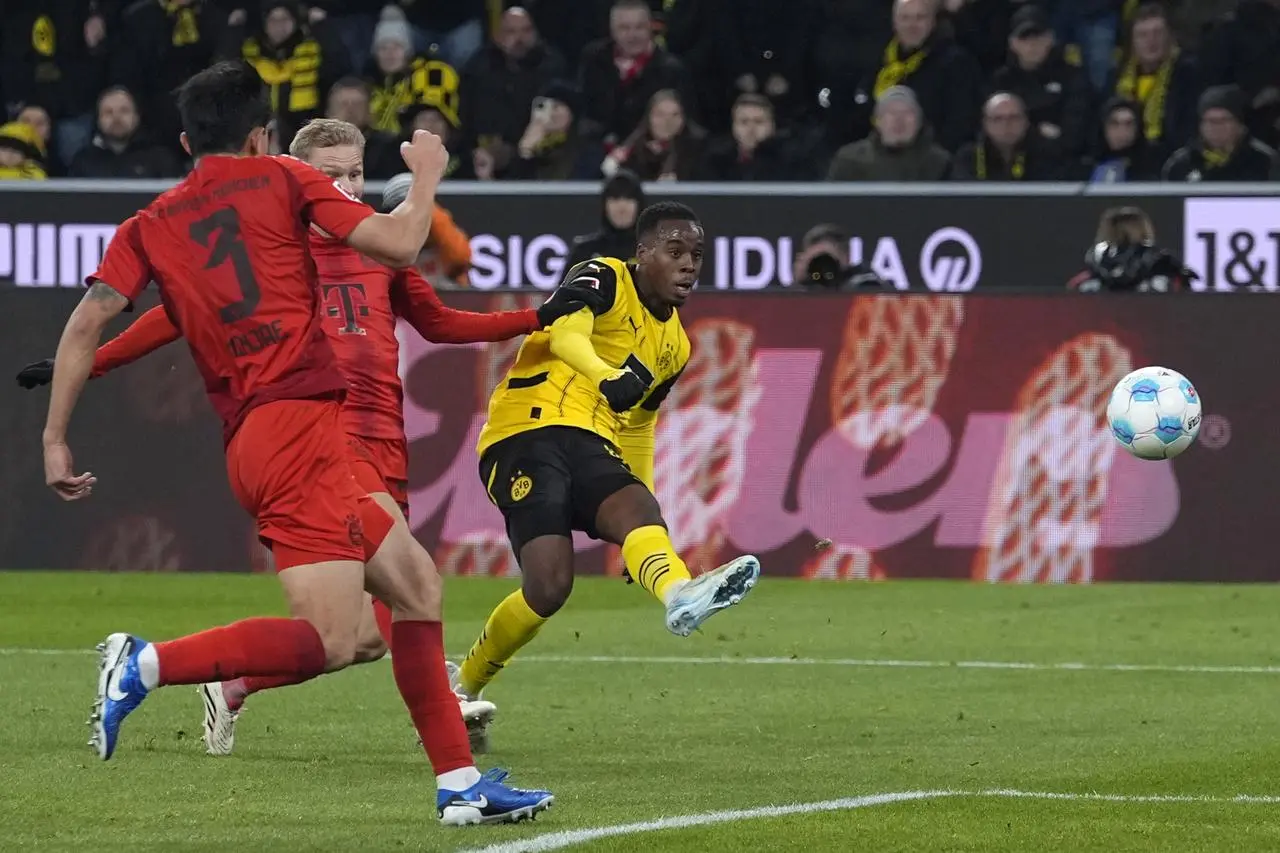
{"points": [[571, 343], [72, 364], [148, 333], [414, 299]]}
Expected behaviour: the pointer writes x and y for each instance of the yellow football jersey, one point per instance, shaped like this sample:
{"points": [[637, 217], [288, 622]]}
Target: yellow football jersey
{"points": [[540, 390]]}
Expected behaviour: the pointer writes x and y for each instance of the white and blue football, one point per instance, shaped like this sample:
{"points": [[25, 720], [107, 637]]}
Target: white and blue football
{"points": [[1154, 413]]}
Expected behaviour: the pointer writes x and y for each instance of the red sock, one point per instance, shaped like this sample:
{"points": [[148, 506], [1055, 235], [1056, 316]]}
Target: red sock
{"points": [[417, 659], [235, 692], [382, 615], [261, 646]]}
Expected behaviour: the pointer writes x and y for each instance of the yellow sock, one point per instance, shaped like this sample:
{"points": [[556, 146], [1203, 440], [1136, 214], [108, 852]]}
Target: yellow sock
{"points": [[652, 561], [511, 624]]}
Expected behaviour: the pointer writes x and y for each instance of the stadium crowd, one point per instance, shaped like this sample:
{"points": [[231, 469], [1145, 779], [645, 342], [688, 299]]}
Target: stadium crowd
{"points": [[718, 90]]}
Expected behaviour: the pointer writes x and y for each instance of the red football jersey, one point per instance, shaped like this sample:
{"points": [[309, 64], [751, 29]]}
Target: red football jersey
{"points": [[228, 248], [361, 300]]}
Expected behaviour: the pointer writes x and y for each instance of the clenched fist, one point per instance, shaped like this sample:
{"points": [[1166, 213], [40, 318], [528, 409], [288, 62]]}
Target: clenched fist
{"points": [[425, 155]]}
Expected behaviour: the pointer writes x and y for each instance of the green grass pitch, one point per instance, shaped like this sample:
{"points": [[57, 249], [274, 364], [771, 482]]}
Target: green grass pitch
{"points": [[332, 765]]}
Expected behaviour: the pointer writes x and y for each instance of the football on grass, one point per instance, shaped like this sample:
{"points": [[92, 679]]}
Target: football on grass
{"points": [[1154, 413]]}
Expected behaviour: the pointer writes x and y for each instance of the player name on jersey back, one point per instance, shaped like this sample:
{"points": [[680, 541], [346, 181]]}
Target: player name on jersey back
{"points": [[228, 248]]}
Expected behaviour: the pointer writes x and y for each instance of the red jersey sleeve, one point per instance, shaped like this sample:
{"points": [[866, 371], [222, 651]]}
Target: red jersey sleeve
{"points": [[414, 299], [149, 332], [322, 201], [124, 267]]}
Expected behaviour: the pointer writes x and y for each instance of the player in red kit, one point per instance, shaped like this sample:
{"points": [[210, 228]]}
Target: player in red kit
{"points": [[361, 300], [228, 249]]}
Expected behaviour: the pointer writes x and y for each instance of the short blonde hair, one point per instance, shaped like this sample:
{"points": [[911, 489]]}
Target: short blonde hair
{"points": [[325, 133]]}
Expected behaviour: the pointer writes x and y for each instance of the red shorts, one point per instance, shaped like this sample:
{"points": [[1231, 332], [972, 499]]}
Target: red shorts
{"points": [[289, 468], [382, 465]]}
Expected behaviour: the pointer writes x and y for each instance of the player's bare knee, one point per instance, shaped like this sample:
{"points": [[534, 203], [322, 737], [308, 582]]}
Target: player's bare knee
{"points": [[547, 591], [627, 510], [369, 649], [339, 649]]}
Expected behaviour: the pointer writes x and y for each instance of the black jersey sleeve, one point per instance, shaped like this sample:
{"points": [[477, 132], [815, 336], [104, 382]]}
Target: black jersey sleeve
{"points": [[657, 395], [593, 282]]}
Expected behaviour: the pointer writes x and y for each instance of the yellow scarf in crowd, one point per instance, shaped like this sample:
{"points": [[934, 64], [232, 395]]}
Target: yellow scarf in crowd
{"points": [[186, 30], [1016, 170], [895, 70], [1130, 86], [1215, 159]]}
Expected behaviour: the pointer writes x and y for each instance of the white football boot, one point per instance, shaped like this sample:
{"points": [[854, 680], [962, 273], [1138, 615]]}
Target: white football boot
{"points": [[219, 720], [477, 713], [709, 593]]}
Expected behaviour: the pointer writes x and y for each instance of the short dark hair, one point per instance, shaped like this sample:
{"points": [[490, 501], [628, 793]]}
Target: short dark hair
{"points": [[753, 99], [825, 233], [663, 211], [632, 4], [351, 82], [116, 90], [221, 106]]}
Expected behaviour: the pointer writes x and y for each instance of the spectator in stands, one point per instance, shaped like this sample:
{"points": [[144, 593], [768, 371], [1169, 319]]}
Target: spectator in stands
{"points": [[1057, 94], [1091, 27], [621, 200], [119, 149], [667, 146], [501, 81], [551, 149], [900, 148], [38, 117], [762, 47], [424, 117], [1224, 149], [570, 25], [398, 80], [755, 150], [157, 46], [1008, 149], [945, 78], [452, 31], [621, 74], [22, 152], [847, 51], [1157, 75], [1244, 49], [349, 101], [54, 54], [298, 58], [1121, 153]]}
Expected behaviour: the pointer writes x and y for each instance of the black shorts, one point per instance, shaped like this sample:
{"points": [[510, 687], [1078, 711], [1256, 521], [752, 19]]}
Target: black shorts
{"points": [[550, 481]]}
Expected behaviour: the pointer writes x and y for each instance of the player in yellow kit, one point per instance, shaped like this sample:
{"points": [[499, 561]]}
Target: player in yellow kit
{"points": [[570, 439]]}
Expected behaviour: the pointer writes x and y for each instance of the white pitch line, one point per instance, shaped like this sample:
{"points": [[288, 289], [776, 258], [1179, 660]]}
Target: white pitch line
{"points": [[573, 837], [872, 663]]}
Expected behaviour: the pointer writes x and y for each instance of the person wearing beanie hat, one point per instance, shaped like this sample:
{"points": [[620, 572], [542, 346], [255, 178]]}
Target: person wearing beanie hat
{"points": [[22, 153], [398, 80], [1120, 153], [1224, 150], [1058, 96], [901, 146], [551, 149], [621, 200]]}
